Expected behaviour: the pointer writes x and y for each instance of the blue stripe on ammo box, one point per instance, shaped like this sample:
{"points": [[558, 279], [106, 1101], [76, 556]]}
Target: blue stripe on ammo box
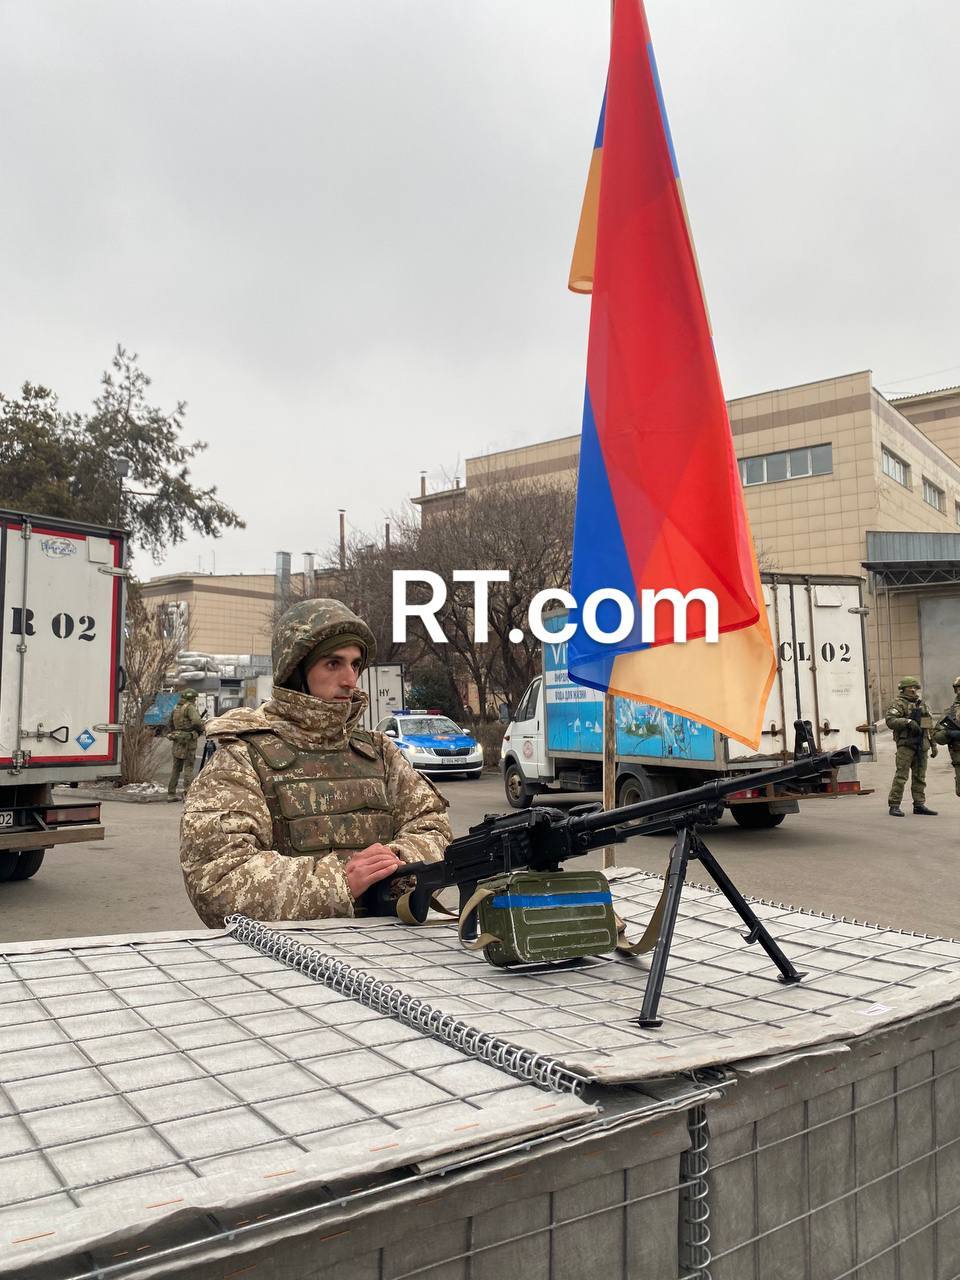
{"points": [[505, 901]]}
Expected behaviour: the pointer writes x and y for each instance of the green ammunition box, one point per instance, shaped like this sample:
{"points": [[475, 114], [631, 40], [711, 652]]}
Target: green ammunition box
{"points": [[530, 917]]}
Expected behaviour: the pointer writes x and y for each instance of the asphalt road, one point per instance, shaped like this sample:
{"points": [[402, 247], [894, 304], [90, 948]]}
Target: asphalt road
{"points": [[843, 857]]}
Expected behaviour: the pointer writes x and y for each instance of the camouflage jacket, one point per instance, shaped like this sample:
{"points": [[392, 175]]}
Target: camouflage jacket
{"points": [[226, 836], [898, 717], [948, 727]]}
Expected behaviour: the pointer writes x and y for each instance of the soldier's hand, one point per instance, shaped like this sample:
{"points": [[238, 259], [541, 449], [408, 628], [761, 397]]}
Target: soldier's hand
{"points": [[368, 866]]}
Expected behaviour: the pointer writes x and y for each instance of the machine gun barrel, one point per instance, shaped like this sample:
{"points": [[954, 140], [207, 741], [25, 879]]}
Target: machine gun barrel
{"points": [[714, 792]]}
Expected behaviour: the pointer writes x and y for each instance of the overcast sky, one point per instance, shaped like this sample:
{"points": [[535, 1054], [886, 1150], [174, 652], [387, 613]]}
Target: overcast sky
{"points": [[341, 231]]}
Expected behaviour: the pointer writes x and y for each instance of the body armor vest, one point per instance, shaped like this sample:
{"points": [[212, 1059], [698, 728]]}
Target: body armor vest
{"points": [[904, 708], [186, 728], [332, 801]]}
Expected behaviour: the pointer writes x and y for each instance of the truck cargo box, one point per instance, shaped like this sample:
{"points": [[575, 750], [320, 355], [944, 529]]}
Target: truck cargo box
{"points": [[62, 607], [555, 738]]}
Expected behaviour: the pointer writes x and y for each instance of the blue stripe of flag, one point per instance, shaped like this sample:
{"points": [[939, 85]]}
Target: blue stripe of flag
{"points": [[663, 111], [599, 560], [598, 141]]}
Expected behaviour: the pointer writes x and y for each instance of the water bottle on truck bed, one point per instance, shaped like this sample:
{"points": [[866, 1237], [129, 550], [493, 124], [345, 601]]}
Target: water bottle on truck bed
{"points": [[62, 601], [554, 741]]}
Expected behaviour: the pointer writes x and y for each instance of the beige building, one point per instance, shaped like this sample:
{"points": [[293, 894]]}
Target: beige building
{"points": [[230, 613], [826, 467], [217, 613]]}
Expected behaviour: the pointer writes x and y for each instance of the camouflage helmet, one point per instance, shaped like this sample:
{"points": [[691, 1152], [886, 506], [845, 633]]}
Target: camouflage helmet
{"points": [[956, 682], [909, 682], [309, 623], [188, 695]]}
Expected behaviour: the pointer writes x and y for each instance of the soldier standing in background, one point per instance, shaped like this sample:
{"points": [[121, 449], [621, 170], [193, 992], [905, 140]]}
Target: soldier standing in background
{"points": [[948, 731], [300, 810], [187, 725], [910, 719]]}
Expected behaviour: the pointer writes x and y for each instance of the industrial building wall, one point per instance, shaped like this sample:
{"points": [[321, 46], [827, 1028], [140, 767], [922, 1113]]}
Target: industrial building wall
{"points": [[811, 524], [937, 414], [894, 638], [226, 613], [940, 642]]}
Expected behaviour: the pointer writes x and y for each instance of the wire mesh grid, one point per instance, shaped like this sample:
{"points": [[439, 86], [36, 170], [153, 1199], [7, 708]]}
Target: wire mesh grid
{"points": [[863, 1180], [562, 1229], [154, 1064], [722, 1001], [859, 1182], [410, 1010]]}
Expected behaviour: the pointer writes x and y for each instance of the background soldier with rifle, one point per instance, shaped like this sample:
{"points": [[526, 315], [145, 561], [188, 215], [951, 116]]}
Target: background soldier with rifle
{"points": [[948, 731], [911, 722], [186, 725]]}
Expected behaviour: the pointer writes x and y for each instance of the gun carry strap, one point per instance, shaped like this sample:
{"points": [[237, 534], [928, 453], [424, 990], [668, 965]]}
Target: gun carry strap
{"points": [[651, 934], [406, 916], [471, 905]]}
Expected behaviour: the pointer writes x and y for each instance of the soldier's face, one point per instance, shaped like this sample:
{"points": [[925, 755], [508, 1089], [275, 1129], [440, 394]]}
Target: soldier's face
{"points": [[913, 693], [334, 677]]}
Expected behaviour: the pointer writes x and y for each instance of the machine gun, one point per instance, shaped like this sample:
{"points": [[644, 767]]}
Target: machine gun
{"points": [[542, 838], [950, 726]]}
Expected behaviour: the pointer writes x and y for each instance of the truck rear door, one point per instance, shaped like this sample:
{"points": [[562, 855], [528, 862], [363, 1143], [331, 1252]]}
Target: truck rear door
{"points": [[61, 647], [817, 632]]}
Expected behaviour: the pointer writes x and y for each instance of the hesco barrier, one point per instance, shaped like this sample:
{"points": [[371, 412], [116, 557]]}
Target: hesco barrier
{"points": [[353, 1099], [842, 1165]]}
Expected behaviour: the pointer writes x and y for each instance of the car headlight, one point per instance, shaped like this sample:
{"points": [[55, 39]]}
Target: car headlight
{"points": [[417, 751]]}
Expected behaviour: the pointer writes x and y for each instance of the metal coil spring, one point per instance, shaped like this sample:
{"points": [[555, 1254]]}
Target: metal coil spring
{"points": [[694, 1168], [524, 1064]]}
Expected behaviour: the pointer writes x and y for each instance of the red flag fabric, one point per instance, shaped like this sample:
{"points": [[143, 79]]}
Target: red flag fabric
{"points": [[659, 500]]}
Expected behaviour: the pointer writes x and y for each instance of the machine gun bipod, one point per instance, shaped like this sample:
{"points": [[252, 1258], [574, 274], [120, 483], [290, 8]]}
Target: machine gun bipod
{"points": [[689, 847]]}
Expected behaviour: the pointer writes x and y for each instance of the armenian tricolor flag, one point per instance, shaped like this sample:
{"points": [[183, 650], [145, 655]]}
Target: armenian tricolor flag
{"points": [[659, 501]]}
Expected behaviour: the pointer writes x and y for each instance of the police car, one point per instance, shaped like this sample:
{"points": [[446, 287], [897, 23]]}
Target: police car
{"points": [[432, 743]]}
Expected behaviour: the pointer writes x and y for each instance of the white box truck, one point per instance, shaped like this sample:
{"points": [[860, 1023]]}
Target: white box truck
{"points": [[554, 741], [61, 678], [383, 685]]}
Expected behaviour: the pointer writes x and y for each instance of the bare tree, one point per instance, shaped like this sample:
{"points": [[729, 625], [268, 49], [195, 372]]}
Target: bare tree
{"points": [[767, 562], [154, 636], [524, 527], [366, 582]]}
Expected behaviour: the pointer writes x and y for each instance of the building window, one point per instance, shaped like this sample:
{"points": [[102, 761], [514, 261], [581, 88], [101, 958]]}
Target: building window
{"points": [[956, 507], [934, 496], [791, 464], [896, 468]]}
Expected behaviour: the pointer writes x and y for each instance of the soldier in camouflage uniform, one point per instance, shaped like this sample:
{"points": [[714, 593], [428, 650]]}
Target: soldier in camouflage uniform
{"points": [[300, 810], [948, 731], [914, 742], [187, 725]]}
